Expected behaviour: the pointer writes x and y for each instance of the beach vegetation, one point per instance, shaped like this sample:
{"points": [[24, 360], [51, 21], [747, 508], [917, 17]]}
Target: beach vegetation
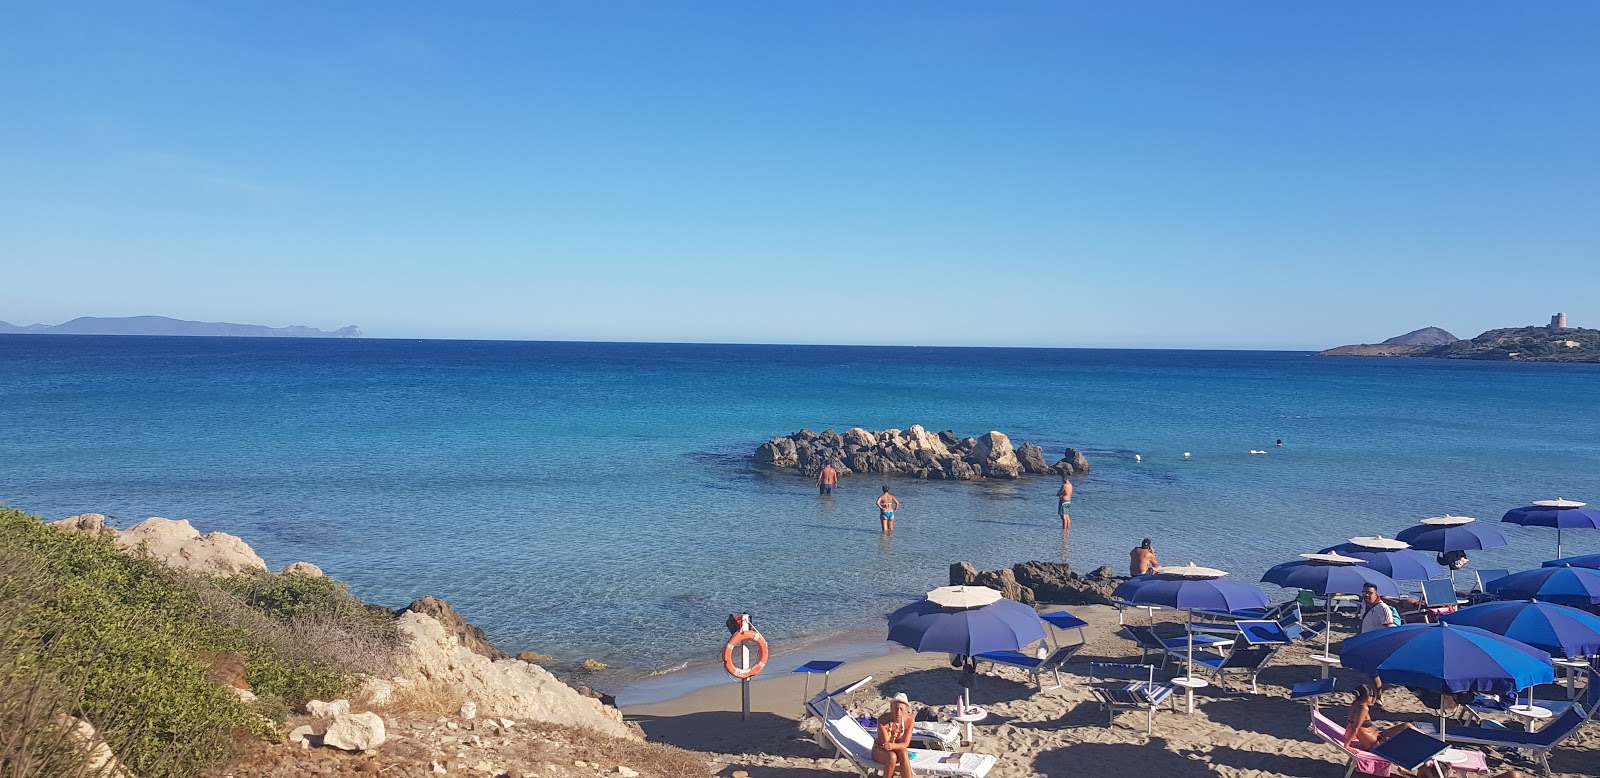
{"points": [[146, 654]]}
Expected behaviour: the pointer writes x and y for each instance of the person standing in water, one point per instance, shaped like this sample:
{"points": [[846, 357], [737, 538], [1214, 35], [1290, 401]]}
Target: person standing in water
{"points": [[1064, 502], [887, 505], [827, 479]]}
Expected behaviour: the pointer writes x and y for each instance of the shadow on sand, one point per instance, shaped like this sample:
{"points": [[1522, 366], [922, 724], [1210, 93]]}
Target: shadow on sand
{"points": [[1153, 759]]}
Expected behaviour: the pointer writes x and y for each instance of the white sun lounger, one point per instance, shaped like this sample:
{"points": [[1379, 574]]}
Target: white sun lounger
{"points": [[853, 743]]}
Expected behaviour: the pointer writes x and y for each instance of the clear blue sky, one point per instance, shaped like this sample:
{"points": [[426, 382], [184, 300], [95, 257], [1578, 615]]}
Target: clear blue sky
{"points": [[1188, 174]]}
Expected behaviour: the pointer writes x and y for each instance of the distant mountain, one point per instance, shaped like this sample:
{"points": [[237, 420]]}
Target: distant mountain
{"points": [[1520, 344], [161, 325], [1427, 336]]}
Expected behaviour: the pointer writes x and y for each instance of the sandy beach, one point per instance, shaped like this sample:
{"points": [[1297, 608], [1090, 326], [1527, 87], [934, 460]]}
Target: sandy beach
{"points": [[1061, 731]]}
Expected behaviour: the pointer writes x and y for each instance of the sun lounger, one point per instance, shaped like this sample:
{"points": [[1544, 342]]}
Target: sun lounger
{"points": [[1130, 691], [1372, 764], [1536, 745], [852, 742], [1035, 666], [1150, 643], [924, 734], [1587, 704], [1243, 659], [1438, 598]]}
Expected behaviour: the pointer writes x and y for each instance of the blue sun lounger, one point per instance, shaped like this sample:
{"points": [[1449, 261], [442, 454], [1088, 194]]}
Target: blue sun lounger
{"points": [[1536, 745], [1035, 666]]}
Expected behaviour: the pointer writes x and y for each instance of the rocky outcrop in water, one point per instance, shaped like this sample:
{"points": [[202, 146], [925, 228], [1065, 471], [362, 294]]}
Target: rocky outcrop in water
{"points": [[914, 453], [470, 637], [1041, 582]]}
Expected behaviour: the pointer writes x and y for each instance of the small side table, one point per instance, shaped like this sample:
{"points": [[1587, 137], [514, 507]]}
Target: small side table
{"points": [[973, 714], [1189, 685], [1449, 758], [1328, 663], [1571, 668], [1532, 713]]}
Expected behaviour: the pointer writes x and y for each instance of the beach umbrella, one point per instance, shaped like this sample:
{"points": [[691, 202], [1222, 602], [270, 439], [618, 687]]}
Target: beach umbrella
{"points": [[1394, 558], [1591, 561], [1558, 629], [1558, 513], [1328, 574], [964, 596], [1191, 588], [1446, 658], [1562, 585], [1004, 625], [1452, 533]]}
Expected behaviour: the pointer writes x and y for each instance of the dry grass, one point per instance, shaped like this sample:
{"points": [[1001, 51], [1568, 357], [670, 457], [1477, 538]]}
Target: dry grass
{"points": [[424, 699], [654, 759], [347, 643]]}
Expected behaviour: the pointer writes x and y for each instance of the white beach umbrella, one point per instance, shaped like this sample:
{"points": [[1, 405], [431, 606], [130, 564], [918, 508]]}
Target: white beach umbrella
{"points": [[1447, 520], [964, 596], [1380, 543], [1191, 570], [1332, 558]]}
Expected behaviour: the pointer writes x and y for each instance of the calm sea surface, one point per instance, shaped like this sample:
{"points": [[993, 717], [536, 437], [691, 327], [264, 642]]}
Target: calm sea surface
{"points": [[597, 500]]}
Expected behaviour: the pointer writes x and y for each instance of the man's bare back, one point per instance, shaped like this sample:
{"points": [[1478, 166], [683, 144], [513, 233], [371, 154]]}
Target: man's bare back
{"points": [[1142, 559]]}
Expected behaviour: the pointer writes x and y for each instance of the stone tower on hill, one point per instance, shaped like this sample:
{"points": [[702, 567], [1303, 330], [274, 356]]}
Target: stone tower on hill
{"points": [[1558, 321]]}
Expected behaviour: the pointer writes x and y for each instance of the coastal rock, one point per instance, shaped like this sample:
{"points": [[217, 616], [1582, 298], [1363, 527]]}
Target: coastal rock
{"points": [[302, 568], [1031, 458], [178, 544], [1054, 582], [470, 637], [534, 657], [508, 688], [356, 732], [1003, 581], [1078, 462], [994, 456], [913, 452], [86, 523]]}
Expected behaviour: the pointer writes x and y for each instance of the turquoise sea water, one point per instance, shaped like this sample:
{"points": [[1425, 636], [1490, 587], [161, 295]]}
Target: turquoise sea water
{"points": [[597, 500]]}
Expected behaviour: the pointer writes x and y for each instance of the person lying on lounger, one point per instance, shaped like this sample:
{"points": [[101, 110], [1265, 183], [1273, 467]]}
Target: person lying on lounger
{"points": [[893, 745]]}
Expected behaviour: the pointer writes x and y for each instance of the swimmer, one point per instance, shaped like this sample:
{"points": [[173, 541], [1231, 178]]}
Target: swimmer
{"points": [[827, 479], [887, 505], [1280, 442], [1063, 502]]}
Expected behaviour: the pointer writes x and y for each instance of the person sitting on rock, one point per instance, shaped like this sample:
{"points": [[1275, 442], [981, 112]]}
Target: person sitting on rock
{"points": [[1142, 559]]}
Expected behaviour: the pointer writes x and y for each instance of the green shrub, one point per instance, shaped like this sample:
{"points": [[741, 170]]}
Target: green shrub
{"points": [[130, 635]]}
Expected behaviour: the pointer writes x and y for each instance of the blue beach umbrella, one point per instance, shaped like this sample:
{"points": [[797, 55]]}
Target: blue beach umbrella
{"points": [[1561, 514], [1006, 625], [1324, 574], [1452, 533], [1591, 561], [1446, 658], [1558, 629], [1401, 564], [1561, 585], [1190, 588]]}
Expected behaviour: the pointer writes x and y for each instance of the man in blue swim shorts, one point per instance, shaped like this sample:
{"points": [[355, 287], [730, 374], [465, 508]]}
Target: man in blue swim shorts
{"points": [[887, 505]]}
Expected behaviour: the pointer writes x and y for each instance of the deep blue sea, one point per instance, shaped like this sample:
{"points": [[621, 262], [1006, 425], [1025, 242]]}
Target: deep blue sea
{"points": [[598, 500]]}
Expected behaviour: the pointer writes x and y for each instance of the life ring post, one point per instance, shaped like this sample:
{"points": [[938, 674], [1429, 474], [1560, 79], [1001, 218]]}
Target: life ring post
{"points": [[744, 634]]}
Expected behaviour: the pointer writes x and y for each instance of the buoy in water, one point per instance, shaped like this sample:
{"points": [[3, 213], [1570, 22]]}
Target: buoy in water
{"points": [[1138, 458], [1185, 455]]}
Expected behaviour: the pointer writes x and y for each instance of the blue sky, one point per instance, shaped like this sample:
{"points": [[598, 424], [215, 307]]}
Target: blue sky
{"points": [[1256, 175]]}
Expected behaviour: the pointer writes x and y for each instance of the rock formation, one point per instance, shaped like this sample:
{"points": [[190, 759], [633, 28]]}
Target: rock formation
{"points": [[914, 453], [507, 687], [1041, 582], [470, 637], [178, 544]]}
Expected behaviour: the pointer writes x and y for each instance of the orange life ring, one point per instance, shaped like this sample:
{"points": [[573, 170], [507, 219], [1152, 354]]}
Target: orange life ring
{"points": [[738, 639]]}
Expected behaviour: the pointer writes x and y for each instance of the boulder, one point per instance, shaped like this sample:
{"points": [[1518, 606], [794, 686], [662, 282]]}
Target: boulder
{"points": [[506, 688], [86, 523], [327, 710], [994, 456], [99, 759], [472, 638], [803, 435], [534, 657], [178, 544], [1074, 463], [305, 736], [949, 439], [355, 732], [1003, 581], [302, 568], [778, 452], [1031, 458], [856, 436], [961, 470]]}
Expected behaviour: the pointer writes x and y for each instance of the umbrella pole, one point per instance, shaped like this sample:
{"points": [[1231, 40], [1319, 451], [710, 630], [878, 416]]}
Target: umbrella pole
{"points": [[1327, 633], [1558, 542]]}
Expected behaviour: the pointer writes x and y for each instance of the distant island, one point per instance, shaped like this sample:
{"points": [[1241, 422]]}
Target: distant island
{"points": [[161, 325], [1554, 342]]}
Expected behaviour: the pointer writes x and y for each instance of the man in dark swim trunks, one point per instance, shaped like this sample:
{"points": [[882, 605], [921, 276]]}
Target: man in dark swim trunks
{"points": [[887, 505], [827, 478], [1064, 502]]}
